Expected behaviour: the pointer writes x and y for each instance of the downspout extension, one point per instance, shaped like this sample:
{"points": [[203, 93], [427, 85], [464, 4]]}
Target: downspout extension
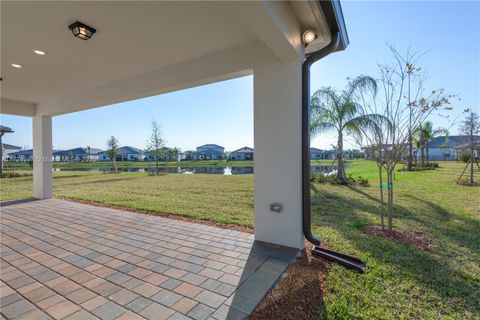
{"points": [[343, 259]]}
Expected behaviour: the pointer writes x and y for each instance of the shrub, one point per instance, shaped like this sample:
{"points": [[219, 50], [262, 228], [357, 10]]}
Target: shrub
{"points": [[14, 174], [464, 156], [351, 180], [363, 182], [430, 166], [418, 166], [320, 177], [331, 178]]}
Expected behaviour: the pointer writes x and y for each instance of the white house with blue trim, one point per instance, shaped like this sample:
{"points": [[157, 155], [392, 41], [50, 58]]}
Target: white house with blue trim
{"points": [[77, 154], [317, 154], [165, 154], [21, 156], [210, 152], [442, 148], [245, 153], [7, 149], [125, 153]]}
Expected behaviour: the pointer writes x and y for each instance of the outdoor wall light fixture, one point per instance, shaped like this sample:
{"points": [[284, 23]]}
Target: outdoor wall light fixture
{"points": [[276, 207], [40, 52], [81, 30], [15, 65], [308, 36]]}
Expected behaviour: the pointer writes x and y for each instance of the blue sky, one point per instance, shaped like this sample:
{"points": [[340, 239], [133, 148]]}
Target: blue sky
{"points": [[222, 113]]}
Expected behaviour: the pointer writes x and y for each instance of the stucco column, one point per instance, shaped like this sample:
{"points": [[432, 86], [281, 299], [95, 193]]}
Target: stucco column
{"points": [[278, 153], [42, 157]]}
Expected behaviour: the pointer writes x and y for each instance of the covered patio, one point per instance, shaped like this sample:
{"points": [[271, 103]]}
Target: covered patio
{"points": [[65, 260]]}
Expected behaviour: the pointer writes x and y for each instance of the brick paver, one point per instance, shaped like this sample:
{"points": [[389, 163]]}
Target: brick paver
{"points": [[64, 260]]}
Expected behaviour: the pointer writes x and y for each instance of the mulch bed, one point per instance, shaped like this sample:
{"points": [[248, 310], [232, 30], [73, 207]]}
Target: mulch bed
{"points": [[417, 240], [298, 295], [165, 215], [467, 183]]}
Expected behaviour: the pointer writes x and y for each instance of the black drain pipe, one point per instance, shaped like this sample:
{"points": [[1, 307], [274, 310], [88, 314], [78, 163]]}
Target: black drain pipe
{"points": [[345, 260], [314, 57]]}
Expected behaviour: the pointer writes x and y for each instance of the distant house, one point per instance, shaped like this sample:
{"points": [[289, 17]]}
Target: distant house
{"points": [[317, 154], [442, 149], [166, 154], [188, 155], [125, 153], [210, 152], [370, 152], [8, 149], [182, 156], [244, 153], [77, 154], [354, 154], [21, 156], [329, 154], [466, 148]]}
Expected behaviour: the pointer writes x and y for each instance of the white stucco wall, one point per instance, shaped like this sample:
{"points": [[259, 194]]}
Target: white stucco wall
{"points": [[42, 157], [278, 153]]}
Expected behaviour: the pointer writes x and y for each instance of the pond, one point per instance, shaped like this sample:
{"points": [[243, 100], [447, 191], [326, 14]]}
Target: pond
{"points": [[194, 170]]}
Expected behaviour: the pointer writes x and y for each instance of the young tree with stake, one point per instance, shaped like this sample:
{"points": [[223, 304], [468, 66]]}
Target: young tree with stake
{"points": [[373, 139], [112, 151], [403, 114], [470, 127], [155, 144]]}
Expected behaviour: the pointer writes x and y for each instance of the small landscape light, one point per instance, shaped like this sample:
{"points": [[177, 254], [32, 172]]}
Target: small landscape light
{"points": [[81, 30], [308, 36], [15, 65], [40, 52]]}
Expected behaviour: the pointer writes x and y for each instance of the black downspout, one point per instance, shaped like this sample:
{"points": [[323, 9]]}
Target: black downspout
{"points": [[345, 260], [307, 219]]}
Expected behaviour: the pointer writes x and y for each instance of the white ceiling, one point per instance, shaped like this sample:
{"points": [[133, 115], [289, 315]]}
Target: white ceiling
{"points": [[136, 37], [137, 43]]}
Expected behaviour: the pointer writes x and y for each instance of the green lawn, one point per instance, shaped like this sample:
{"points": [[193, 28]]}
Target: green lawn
{"points": [[226, 199], [401, 282]]}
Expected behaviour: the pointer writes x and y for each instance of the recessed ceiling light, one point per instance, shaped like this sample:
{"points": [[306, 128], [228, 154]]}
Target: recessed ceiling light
{"points": [[40, 52], [16, 65]]}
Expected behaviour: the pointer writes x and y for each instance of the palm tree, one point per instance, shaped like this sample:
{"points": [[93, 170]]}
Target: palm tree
{"points": [[341, 112], [172, 154], [89, 151], [175, 153], [425, 134]]}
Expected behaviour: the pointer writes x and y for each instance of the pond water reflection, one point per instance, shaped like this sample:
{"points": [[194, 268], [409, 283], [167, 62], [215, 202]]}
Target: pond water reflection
{"points": [[193, 170]]}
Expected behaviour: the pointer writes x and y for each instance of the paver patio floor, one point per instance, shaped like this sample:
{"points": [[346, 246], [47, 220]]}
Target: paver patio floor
{"points": [[64, 260]]}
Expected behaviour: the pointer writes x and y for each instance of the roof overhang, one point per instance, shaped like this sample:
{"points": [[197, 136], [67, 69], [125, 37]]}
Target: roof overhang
{"points": [[336, 22]]}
